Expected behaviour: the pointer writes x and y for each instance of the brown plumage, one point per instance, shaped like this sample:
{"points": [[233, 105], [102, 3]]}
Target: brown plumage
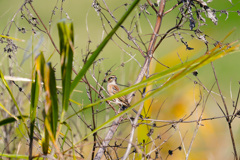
{"points": [[113, 88]]}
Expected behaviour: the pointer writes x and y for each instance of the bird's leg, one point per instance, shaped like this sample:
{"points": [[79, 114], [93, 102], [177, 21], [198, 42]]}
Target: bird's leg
{"points": [[123, 107]]}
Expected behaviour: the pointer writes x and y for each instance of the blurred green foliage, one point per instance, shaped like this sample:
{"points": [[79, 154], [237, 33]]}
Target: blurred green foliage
{"points": [[87, 25]]}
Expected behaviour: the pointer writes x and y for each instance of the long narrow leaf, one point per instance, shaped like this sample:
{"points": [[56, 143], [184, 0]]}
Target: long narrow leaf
{"points": [[205, 58], [13, 99], [15, 156], [8, 112], [15, 39], [10, 120], [50, 87], [46, 74], [33, 108], [65, 137], [101, 46], [65, 30], [40, 69], [198, 63], [51, 135]]}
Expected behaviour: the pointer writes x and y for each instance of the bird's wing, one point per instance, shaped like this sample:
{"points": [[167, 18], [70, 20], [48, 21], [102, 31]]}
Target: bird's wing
{"points": [[115, 89], [123, 98]]}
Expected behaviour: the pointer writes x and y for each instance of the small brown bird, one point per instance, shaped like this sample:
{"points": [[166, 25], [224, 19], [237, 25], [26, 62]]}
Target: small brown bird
{"points": [[113, 88]]}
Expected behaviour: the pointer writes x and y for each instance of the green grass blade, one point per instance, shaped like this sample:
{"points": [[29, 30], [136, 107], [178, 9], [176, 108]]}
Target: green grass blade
{"points": [[65, 137], [13, 99], [11, 120], [33, 108], [198, 63], [40, 65], [46, 74], [45, 139], [50, 87], [101, 46], [105, 123], [65, 30], [15, 39], [41, 69], [51, 136], [15, 156], [203, 60], [8, 112]]}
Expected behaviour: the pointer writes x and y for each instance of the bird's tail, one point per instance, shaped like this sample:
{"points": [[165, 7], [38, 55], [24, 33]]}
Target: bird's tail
{"points": [[123, 107]]}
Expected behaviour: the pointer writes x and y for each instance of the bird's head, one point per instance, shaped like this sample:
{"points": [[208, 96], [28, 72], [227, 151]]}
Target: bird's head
{"points": [[112, 79]]}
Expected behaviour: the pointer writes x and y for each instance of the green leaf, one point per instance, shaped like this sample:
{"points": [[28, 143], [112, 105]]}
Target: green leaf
{"points": [[101, 46], [65, 137], [33, 108], [41, 69], [65, 30], [15, 156], [11, 120], [46, 74], [40, 65], [187, 68], [8, 112], [15, 39], [13, 99], [50, 87]]}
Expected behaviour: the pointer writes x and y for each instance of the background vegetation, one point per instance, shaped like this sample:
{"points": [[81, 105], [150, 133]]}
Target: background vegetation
{"points": [[178, 104]]}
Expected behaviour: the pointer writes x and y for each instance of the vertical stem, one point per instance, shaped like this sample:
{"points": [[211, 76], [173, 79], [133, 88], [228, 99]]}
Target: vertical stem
{"points": [[150, 47], [157, 28], [233, 141], [145, 69], [93, 119], [227, 115]]}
